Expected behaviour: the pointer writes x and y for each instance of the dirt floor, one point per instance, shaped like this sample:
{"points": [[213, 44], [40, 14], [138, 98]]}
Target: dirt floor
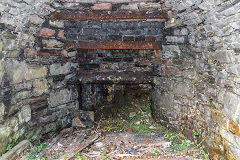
{"points": [[121, 132]]}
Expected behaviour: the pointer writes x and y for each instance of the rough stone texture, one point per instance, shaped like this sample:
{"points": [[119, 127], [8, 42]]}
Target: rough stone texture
{"points": [[16, 151], [196, 82], [196, 88]]}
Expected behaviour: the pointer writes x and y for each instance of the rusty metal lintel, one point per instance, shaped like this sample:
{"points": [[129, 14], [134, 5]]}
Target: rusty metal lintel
{"points": [[113, 45], [106, 15]]}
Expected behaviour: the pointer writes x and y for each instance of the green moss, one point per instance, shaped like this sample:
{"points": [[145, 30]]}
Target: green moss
{"points": [[33, 134], [141, 128]]}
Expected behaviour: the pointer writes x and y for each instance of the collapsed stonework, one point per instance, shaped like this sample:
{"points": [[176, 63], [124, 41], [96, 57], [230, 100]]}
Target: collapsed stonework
{"points": [[195, 86]]}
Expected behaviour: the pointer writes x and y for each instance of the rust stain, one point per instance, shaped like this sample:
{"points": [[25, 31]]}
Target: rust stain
{"points": [[157, 56], [219, 118], [112, 45], [234, 128], [147, 141], [51, 52], [105, 15]]}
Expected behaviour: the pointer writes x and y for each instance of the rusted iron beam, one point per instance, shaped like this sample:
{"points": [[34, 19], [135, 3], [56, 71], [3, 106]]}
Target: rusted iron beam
{"points": [[157, 56], [123, 77], [106, 15], [112, 45]]}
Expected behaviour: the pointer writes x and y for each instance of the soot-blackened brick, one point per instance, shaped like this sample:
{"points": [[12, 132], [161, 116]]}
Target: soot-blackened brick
{"points": [[58, 78], [2, 26], [109, 59], [115, 37], [89, 66], [128, 59], [139, 38], [83, 38], [112, 30], [71, 37], [128, 38], [94, 24], [90, 31], [168, 31], [74, 30]]}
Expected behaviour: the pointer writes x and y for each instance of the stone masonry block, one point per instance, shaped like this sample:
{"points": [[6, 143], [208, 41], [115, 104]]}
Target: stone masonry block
{"points": [[40, 87], [181, 32], [225, 56], [59, 97], [131, 6], [47, 32], [61, 34], [36, 72], [115, 1], [16, 70], [144, 5], [102, 6], [176, 39], [57, 68], [231, 103], [2, 111], [52, 43], [183, 89], [85, 1], [170, 71], [58, 24], [25, 114], [30, 52]]}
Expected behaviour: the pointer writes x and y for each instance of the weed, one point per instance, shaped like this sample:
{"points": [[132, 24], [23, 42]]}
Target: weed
{"points": [[156, 152], [9, 147], [33, 153], [195, 135], [79, 156], [176, 143], [109, 128], [141, 128], [104, 154]]}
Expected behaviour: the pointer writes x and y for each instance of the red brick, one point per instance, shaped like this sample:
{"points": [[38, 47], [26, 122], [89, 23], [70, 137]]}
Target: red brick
{"points": [[30, 52], [41, 53], [47, 32], [102, 6], [61, 34]]}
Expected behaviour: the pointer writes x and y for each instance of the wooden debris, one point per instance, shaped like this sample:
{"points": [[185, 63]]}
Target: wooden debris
{"points": [[76, 147], [16, 151]]}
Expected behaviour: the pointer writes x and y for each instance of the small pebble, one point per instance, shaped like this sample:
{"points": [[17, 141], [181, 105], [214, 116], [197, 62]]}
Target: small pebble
{"points": [[95, 153], [166, 144], [137, 123], [152, 127], [99, 145], [132, 114]]}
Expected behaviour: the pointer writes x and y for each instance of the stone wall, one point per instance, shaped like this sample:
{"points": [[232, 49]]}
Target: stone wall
{"points": [[39, 80], [196, 84], [197, 88]]}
